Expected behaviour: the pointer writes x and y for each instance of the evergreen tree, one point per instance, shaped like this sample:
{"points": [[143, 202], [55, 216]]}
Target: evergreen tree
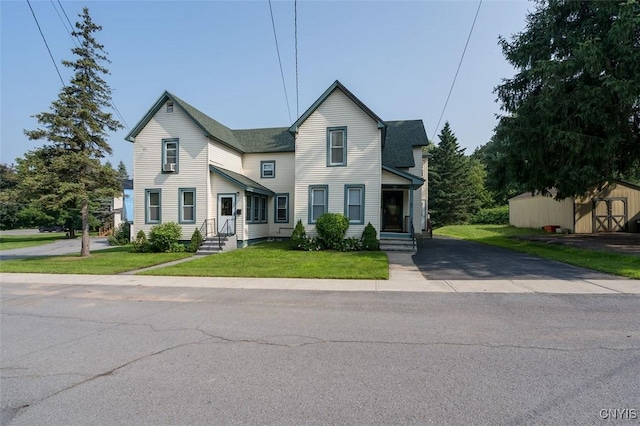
{"points": [[122, 171], [572, 112], [451, 191], [68, 172]]}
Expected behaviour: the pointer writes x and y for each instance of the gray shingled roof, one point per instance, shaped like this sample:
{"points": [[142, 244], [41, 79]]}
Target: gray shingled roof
{"points": [[276, 139], [402, 136], [242, 181]]}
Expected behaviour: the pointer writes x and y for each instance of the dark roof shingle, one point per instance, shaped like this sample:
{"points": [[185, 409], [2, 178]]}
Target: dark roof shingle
{"points": [[402, 136]]}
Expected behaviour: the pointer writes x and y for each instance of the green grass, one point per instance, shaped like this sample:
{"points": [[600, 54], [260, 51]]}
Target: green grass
{"points": [[107, 262], [276, 260], [503, 236], [10, 242]]}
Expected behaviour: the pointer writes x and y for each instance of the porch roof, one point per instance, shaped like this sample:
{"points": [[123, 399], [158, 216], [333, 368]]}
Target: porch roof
{"points": [[242, 181], [415, 181]]}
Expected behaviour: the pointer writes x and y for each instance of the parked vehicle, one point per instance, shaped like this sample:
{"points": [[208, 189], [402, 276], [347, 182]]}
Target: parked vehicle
{"points": [[52, 228]]}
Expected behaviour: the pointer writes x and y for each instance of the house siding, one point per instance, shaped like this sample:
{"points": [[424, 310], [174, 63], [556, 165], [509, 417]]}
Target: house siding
{"points": [[363, 160], [282, 183], [192, 168], [227, 158], [584, 207]]}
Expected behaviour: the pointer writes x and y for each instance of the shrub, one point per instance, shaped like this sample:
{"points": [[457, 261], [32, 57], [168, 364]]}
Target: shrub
{"points": [[163, 237], [121, 236], [196, 241], [370, 238], [493, 216], [140, 244], [350, 244], [298, 236], [332, 228], [309, 244]]}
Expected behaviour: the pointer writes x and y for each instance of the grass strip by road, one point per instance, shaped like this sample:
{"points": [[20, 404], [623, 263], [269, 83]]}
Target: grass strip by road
{"points": [[10, 242], [101, 262], [505, 236], [277, 260]]}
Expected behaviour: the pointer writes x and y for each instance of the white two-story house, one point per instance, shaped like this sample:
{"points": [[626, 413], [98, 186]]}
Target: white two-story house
{"points": [[339, 156]]}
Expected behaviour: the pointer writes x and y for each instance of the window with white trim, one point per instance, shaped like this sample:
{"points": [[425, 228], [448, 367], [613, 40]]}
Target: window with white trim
{"points": [[187, 205], [318, 200], [354, 203], [153, 205], [281, 208], [267, 169], [337, 146]]}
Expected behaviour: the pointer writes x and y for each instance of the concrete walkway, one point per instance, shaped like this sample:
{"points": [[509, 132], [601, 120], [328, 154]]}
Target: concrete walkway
{"points": [[404, 277]]}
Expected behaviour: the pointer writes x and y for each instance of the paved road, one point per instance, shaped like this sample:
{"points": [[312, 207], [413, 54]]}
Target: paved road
{"points": [[444, 258], [107, 355]]}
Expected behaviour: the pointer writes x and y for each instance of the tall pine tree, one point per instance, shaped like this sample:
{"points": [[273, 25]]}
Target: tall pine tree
{"points": [[76, 128], [451, 196]]}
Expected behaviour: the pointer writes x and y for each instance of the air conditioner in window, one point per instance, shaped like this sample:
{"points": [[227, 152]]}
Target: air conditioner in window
{"points": [[169, 167]]}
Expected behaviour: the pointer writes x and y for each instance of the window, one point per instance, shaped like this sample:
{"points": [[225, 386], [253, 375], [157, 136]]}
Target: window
{"points": [[282, 208], [153, 206], [256, 208], [354, 203], [337, 146], [187, 205], [318, 197], [170, 106], [170, 155], [267, 169]]}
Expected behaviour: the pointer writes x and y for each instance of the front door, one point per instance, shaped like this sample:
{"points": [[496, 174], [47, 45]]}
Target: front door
{"points": [[392, 211], [226, 214]]}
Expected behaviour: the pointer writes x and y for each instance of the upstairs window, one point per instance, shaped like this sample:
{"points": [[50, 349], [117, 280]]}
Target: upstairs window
{"points": [[267, 169], [170, 106], [337, 146], [170, 155]]}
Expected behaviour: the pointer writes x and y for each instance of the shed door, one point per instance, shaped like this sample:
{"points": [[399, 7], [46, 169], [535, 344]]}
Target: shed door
{"points": [[609, 214]]}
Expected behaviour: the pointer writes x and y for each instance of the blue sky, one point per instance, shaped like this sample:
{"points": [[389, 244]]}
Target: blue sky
{"points": [[399, 58]]}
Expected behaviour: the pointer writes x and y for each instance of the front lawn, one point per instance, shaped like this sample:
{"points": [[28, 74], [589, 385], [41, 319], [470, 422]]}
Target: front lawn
{"points": [[503, 236], [276, 260], [101, 262], [10, 242]]}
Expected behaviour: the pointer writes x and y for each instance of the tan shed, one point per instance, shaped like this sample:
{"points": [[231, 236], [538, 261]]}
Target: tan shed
{"points": [[609, 207]]}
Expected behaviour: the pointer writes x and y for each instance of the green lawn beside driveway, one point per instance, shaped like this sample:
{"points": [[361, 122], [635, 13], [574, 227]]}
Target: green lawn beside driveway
{"points": [[277, 260], [506, 236], [101, 262], [10, 242]]}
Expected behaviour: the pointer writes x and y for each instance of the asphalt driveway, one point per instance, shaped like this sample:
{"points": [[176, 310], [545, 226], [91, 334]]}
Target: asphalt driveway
{"points": [[56, 248], [444, 258]]}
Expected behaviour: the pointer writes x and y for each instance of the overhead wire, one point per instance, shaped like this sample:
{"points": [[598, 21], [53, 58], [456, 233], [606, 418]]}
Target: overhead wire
{"points": [[295, 30], [46, 44], [273, 24], [457, 71]]}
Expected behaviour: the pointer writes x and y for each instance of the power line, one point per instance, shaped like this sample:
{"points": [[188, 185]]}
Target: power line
{"points": [[46, 44], [65, 14], [63, 23], [458, 70], [273, 24], [295, 29]]}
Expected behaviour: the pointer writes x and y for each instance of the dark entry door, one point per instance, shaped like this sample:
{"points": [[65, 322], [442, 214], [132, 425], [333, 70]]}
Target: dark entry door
{"points": [[392, 211]]}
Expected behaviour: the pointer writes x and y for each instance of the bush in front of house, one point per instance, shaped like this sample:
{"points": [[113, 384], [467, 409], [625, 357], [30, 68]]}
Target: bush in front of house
{"points": [[141, 244], [298, 236], [370, 238], [164, 238], [196, 241], [331, 228], [493, 216], [121, 236]]}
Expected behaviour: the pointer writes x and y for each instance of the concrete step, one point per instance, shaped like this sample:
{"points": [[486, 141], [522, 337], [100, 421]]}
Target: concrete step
{"points": [[397, 244], [212, 246]]}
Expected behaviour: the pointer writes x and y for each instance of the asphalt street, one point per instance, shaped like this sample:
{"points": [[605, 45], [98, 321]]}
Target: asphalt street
{"points": [[107, 355]]}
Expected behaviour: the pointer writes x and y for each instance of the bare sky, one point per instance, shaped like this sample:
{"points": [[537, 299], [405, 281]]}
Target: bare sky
{"points": [[399, 58]]}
